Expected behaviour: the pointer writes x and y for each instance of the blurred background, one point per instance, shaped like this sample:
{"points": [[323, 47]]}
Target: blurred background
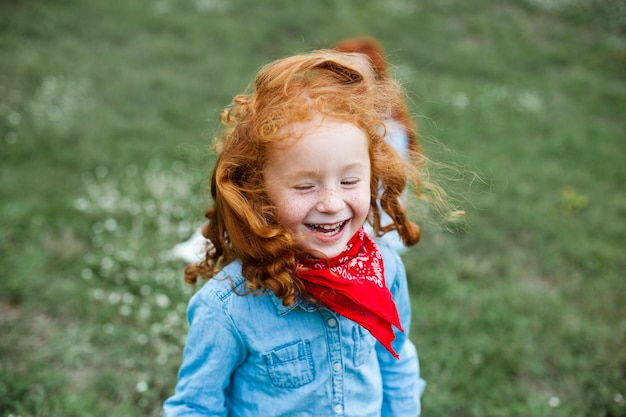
{"points": [[107, 111]]}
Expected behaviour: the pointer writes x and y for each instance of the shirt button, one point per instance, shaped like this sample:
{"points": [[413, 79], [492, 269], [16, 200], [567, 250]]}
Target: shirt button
{"points": [[332, 322], [337, 367], [338, 409]]}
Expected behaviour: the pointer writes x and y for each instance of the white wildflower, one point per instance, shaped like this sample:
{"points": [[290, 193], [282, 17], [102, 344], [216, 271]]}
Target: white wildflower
{"points": [[554, 401], [142, 386]]}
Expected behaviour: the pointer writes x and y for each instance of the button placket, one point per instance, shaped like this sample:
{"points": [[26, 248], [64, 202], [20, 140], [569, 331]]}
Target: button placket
{"points": [[333, 334]]}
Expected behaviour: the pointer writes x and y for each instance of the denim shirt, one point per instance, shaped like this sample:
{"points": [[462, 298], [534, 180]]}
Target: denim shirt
{"points": [[249, 355]]}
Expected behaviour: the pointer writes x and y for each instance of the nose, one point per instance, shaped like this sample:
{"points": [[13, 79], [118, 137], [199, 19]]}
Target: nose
{"points": [[331, 201]]}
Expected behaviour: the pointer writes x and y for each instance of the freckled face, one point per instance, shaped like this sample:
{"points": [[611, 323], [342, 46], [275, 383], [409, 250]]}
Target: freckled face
{"points": [[320, 183]]}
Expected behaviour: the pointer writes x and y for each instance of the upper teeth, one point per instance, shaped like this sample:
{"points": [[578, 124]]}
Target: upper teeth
{"points": [[327, 226]]}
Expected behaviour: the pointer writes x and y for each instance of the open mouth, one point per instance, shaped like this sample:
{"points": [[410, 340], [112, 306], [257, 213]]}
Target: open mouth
{"points": [[328, 229]]}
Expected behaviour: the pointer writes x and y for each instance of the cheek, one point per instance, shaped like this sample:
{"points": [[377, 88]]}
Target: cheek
{"points": [[291, 211], [361, 202], [284, 205]]}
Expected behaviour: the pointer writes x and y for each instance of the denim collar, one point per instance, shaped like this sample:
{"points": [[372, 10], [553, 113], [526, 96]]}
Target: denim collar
{"points": [[237, 281]]}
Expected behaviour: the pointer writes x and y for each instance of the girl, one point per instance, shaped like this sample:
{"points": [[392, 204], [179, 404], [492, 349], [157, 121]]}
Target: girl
{"points": [[304, 314]]}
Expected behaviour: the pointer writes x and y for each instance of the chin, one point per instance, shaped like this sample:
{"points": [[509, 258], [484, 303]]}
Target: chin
{"points": [[332, 254], [332, 250]]}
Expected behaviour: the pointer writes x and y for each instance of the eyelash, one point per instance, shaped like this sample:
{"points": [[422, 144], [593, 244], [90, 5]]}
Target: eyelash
{"points": [[302, 187], [307, 187], [354, 181]]}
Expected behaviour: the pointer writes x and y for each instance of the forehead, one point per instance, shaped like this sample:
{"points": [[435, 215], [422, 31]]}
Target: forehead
{"points": [[318, 144], [318, 128]]}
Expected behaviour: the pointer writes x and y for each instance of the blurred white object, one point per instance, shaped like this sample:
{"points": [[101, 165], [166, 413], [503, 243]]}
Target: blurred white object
{"points": [[397, 137], [193, 250]]}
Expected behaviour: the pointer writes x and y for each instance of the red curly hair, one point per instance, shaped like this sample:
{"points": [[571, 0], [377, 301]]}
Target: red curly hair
{"points": [[242, 222]]}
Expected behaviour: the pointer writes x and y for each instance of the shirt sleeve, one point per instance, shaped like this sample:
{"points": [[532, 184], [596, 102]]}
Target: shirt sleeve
{"points": [[402, 384], [212, 351]]}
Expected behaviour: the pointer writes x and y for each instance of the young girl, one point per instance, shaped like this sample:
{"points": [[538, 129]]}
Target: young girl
{"points": [[304, 314]]}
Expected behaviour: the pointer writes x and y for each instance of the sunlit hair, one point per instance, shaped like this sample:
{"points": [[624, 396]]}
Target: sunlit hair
{"points": [[375, 52], [242, 223]]}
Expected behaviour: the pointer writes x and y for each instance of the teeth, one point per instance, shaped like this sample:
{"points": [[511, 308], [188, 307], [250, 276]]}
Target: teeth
{"points": [[326, 227]]}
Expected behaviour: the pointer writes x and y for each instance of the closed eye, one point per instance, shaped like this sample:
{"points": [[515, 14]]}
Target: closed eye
{"points": [[303, 187], [351, 181]]}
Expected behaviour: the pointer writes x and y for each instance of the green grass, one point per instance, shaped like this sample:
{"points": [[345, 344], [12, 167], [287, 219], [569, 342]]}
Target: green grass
{"points": [[107, 109]]}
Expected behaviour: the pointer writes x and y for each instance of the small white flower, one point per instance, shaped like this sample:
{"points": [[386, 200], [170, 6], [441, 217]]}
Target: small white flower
{"points": [[157, 328], [142, 386], [128, 298], [114, 298], [530, 100], [162, 300], [125, 311], [87, 273], [81, 204], [554, 402], [144, 312], [107, 263], [110, 224], [97, 294]]}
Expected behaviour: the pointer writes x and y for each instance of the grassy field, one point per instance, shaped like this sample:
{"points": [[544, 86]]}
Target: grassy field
{"points": [[107, 109]]}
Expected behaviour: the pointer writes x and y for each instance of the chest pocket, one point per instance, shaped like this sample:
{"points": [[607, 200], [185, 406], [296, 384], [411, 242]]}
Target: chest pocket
{"points": [[363, 345], [291, 366]]}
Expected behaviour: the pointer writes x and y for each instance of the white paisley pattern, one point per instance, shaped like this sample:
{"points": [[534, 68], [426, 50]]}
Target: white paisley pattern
{"points": [[366, 265]]}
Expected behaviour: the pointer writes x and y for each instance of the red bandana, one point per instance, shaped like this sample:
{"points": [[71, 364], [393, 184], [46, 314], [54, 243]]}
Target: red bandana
{"points": [[353, 284]]}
